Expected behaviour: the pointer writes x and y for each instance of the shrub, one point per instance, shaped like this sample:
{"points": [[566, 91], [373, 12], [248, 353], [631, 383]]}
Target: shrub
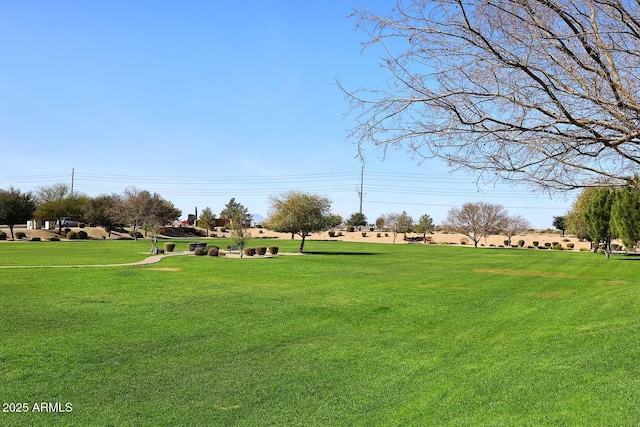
{"points": [[54, 239], [81, 225], [555, 243], [521, 243], [273, 250], [199, 251], [378, 235], [614, 247], [258, 225], [350, 229], [566, 240], [214, 251], [530, 247], [464, 241], [223, 229], [514, 246], [570, 245], [557, 246], [535, 243], [506, 242], [72, 235], [547, 245], [386, 234], [137, 234], [82, 235], [261, 250], [35, 239], [20, 235], [584, 249], [364, 234], [260, 231], [249, 251], [66, 230], [3, 235], [332, 234], [491, 245], [169, 246]]}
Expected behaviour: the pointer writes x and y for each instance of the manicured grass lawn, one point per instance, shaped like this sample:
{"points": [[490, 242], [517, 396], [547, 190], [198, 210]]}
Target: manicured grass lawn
{"points": [[354, 334]]}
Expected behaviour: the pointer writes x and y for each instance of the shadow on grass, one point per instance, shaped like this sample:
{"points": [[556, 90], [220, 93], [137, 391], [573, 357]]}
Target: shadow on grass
{"points": [[338, 253]]}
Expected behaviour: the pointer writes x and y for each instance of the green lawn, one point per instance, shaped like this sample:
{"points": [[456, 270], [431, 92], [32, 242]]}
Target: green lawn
{"points": [[353, 334]]}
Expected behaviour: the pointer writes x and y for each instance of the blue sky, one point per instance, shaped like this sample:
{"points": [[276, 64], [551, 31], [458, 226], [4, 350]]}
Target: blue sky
{"points": [[204, 101]]}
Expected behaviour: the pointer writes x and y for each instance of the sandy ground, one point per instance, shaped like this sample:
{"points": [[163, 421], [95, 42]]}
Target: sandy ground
{"points": [[541, 237]]}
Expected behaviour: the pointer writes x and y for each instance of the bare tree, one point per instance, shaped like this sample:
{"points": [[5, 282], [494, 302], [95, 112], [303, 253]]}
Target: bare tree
{"points": [[398, 223], [542, 91], [513, 225], [476, 220]]}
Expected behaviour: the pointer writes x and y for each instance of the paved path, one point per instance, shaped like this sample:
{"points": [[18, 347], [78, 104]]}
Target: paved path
{"points": [[149, 260]]}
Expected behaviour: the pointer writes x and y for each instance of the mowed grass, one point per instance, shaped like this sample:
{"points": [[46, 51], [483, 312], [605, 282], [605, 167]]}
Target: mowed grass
{"points": [[353, 334]]}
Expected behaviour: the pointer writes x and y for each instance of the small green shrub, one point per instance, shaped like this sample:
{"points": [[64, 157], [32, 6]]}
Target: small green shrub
{"points": [[350, 229], [199, 251], [364, 234], [137, 234], [378, 235], [506, 242], [81, 225], [521, 243], [214, 251], [464, 241], [223, 229], [535, 243], [261, 250], [258, 225], [273, 250], [566, 240], [3, 235], [547, 245], [332, 234], [72, 235], [54, 239], [557, 246], [584, 249], [82, 235], [169, 246], [20, 235], [249, 251], [66, 230], [570, 245]]}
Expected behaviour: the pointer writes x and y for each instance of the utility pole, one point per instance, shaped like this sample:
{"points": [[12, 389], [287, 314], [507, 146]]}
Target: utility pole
{"points": [[72, 178], [361, 192]]}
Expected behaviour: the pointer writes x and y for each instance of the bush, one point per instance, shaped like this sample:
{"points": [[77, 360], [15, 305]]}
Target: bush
{"points": [[214, 251], [261, 250], [258, 225], [273, 250], [169, 246], [378, 235], [54, 239], [66, 230], [20, 235], [521, 243], [137, 234], [35, 239], [364, 234], [82, 235], [72, 235], [506, 242], [249, 251], [557, 246], [614, 247], [584, 249], [223, 229], [199, 251], [332, 234], [3, 235], [547, 245], [570, 245], [81, 225], [464, 241], [350, 229], [535, 243]]}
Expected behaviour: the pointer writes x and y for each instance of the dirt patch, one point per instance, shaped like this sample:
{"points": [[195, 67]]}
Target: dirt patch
{"points": [[164, 269]]}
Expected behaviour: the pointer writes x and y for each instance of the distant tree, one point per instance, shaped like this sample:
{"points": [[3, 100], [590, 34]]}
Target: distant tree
{"points": [[299, 213], [207, 219], [598, 217], [235, 214], [575, 219], [398, 223], [16, 208], [102, 210], [334, 220], [514, 225], [357, 219], [57, 201], [625, 217], [560, 223], [142, 210], [424, 226], [380, 222], [476, 220]]}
